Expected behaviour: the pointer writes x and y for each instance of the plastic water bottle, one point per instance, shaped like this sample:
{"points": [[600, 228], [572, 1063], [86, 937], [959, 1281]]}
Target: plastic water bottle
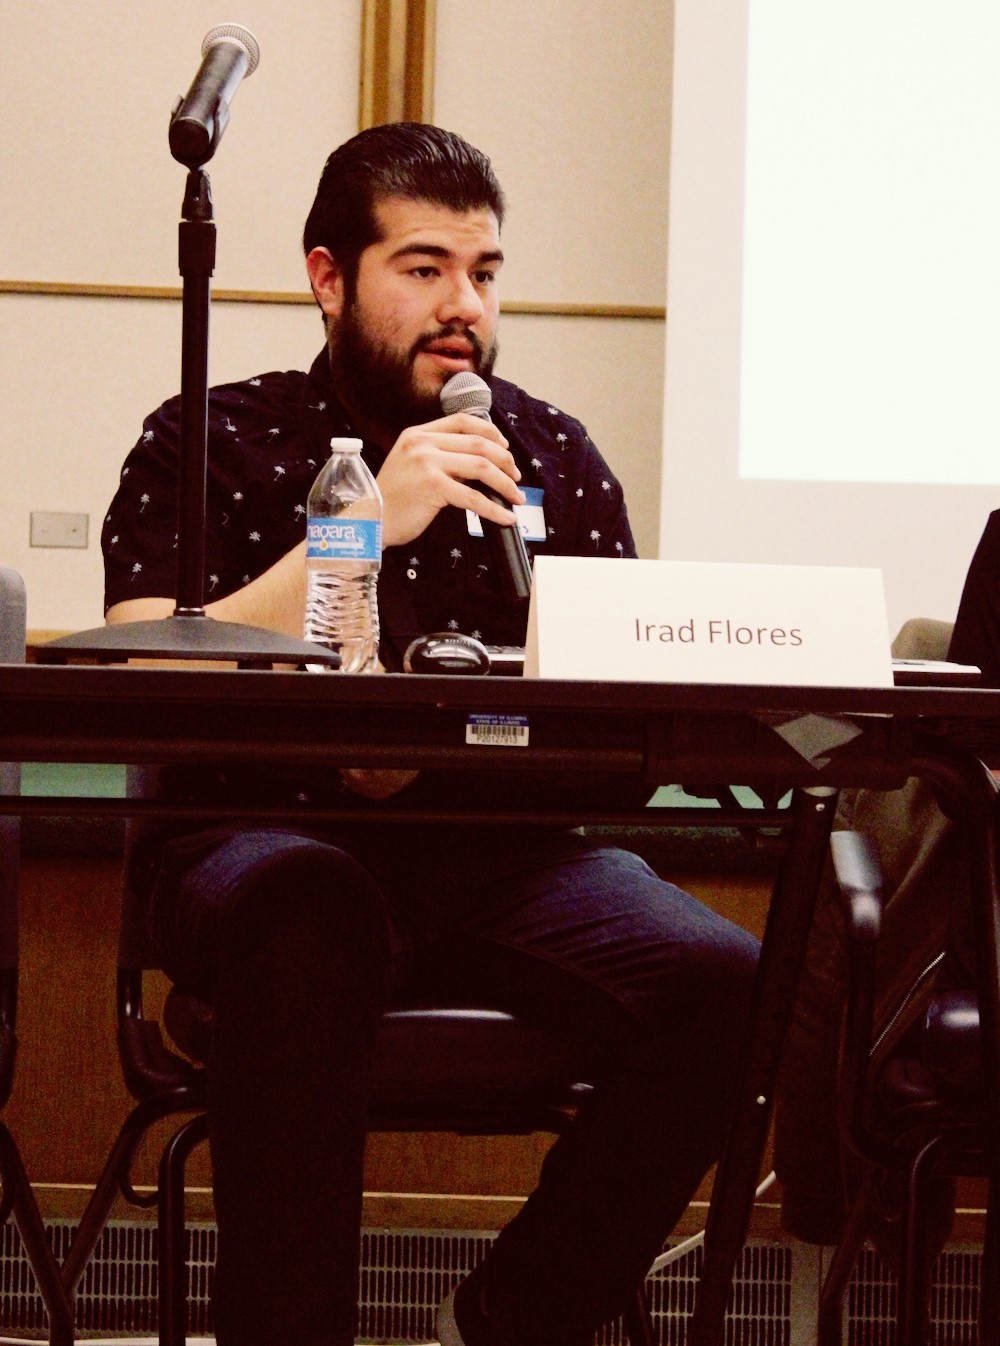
{"points": [[343, 556]]}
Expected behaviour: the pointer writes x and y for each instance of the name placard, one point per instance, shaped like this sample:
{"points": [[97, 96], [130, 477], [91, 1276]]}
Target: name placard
{"points": [[691, 621]]}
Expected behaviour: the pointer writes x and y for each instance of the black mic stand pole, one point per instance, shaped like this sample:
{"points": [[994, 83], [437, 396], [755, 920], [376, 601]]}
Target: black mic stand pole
{"points": [[196, 263], [190, 633]]}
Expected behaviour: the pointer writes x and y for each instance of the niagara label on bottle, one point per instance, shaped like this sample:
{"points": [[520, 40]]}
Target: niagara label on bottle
{"points": [[343, 556]]}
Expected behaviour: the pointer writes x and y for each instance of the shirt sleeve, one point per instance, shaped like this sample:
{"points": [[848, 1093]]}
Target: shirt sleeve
{"points": [[265, 438], [139, 537], [585, 502], [604, 528]]}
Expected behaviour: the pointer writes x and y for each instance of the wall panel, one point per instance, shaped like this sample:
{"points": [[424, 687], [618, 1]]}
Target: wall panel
{"points": [[79, 401], [609, 373], [572, 103], [97, 195]]}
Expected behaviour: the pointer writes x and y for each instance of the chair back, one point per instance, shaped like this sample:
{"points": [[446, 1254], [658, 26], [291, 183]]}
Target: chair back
{"points": [[923, 638], [149, 1067]]}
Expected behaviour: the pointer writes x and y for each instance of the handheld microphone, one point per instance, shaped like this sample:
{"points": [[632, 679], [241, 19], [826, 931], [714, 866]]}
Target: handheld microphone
{"points": [[229, 54], [466, 391]]}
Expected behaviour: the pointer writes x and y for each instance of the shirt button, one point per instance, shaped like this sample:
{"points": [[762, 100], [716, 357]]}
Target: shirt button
{"points": [[411, 574]]}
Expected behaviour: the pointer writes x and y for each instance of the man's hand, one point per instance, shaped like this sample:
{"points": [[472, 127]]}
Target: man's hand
{"points": [[430, 466]]}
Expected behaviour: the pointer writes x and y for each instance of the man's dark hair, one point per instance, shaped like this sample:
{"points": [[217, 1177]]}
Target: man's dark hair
{"points": [[403, 159]]}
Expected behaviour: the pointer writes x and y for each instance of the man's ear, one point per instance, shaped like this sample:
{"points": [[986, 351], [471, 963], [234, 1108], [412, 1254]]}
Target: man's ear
{"points": [[327, 281]]}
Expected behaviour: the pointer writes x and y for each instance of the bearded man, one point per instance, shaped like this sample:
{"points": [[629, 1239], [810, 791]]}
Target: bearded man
{"points": [[301, 937]]}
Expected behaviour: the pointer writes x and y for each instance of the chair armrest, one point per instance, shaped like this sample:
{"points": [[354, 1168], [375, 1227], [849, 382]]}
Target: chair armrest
{"points": [[859, 876], [951, 1044], [148, 1065]]}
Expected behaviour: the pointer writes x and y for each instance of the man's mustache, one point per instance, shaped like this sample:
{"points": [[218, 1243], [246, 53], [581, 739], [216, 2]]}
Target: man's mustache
{"points": [[463, 333]]}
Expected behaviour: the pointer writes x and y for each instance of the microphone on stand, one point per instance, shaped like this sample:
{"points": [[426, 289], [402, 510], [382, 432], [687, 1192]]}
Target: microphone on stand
{"points": [[466, 391], [229, 54]]}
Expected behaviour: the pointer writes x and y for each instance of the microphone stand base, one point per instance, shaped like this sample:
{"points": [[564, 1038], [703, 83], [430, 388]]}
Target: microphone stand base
{"points": [[185, 637]]}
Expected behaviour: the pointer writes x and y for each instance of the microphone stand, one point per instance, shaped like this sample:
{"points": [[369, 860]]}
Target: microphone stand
{"points": [[190, 633]]}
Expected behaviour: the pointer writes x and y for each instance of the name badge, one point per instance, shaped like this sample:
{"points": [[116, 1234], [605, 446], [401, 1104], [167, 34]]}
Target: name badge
{"points": [[530, 516]]}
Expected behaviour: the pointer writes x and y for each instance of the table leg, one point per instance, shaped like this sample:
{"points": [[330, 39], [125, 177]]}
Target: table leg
{"points": [[783, 950]]}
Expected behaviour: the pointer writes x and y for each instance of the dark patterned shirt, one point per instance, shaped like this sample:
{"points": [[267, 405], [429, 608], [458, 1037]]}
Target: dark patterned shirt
{"points": [[267, 440]]}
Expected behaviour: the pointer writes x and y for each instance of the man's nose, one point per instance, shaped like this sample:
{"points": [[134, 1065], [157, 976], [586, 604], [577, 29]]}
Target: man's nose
{"points": [[462, 303]]}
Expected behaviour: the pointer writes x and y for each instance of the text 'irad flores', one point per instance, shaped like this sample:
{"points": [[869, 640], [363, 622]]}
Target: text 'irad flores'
{"points": [[718, 631]]}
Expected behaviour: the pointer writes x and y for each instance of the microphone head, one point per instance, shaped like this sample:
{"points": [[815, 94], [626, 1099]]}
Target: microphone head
{"points": [[234, 32], [466, 391]]}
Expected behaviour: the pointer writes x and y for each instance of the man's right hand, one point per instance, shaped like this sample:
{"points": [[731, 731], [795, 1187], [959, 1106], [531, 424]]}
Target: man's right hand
{"points": [[430, 466]]}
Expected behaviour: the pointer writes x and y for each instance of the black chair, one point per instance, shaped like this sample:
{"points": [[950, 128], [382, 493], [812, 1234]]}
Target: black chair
{"points": [[466, 1069], [912, 1115], [16, 1199]]}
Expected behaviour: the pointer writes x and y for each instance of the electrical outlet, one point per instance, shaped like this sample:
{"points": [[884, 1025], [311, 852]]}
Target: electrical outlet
{"points": [[56, 529]]}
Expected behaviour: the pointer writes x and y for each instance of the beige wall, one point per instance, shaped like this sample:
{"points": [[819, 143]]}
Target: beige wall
{"points": [[98, 194], [571, 102]]}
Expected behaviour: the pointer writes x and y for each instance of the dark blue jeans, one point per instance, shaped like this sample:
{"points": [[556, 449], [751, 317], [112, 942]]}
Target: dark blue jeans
{"points": [[301, 946]]}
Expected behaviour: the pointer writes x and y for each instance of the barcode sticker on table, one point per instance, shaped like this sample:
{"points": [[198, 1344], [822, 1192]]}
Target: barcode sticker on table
{"points": [[503, 731]]}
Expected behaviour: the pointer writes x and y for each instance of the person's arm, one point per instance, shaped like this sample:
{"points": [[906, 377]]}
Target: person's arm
{"points": [[275, 600], [429, 467]]}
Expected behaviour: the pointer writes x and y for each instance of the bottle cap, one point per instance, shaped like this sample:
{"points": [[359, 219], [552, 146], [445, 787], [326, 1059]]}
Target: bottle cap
{"points": [[346, 445]]}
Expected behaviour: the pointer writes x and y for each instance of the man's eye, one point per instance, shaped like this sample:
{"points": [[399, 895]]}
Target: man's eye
{"points": [[424, 272], [484, 277]]}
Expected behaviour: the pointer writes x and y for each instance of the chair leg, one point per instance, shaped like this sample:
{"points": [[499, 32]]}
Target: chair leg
{"points": [[170, 1219], [18, 1195], [638, 1320], [829, 1317], [112, 1180], [914, 1278]]}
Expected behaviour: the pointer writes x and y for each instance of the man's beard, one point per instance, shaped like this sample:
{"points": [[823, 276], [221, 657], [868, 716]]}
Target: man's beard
{"points": [[376, 384]]}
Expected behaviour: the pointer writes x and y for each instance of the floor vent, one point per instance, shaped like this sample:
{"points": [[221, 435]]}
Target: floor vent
{"points": [[871, 1300], [406, 1273], [116, 1295]]}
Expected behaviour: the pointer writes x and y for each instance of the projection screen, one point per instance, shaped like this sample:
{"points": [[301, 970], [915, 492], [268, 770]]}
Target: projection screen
{"points": [[833, 301]]}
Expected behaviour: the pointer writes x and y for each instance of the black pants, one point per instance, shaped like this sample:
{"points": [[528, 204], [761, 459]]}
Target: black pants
{"points": [[300, 947]]}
